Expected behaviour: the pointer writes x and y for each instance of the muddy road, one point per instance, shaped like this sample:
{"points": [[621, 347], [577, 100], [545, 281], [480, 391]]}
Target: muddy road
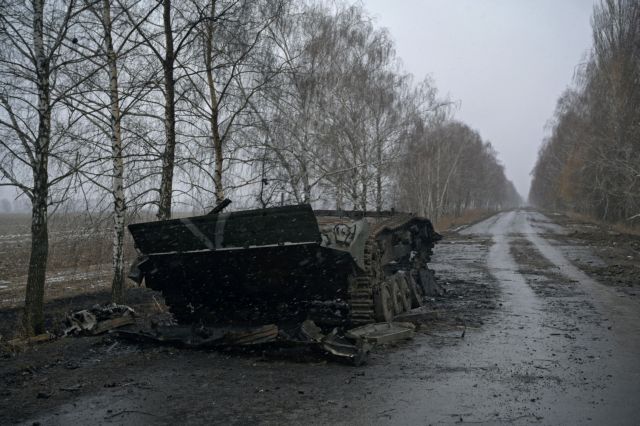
{"points": [[523, 336]]}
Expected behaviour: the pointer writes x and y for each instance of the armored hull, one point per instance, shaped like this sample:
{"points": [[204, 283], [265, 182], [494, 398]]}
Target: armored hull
{"points": [[287, 263]]}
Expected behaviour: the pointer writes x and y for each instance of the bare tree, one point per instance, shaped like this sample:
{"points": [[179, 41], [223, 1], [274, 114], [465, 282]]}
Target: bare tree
{"points": [[32, 65], [331, 121], [448, 169], [238, 63], [109, 48], [177, 25], [591, 160], [117, 189]]}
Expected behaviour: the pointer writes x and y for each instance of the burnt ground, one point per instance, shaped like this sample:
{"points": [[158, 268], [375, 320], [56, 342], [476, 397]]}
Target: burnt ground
{"points": [[518, 337]]}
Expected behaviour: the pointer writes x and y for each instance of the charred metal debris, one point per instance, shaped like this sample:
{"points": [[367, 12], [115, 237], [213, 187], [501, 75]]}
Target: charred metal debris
{"points": [[326, 280], [352, 346], [287, 264]]}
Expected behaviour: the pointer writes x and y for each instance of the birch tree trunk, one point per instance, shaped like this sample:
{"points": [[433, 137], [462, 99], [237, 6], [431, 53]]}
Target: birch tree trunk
{"points": [[378, 175], [306, 185], [33, 319], [216, 140], [117, 189], [168, 156], [364, 188], [339, 197]]}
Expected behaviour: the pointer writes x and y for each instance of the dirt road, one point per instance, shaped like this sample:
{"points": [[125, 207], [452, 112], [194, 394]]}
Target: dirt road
{"points": [[527, 337]]}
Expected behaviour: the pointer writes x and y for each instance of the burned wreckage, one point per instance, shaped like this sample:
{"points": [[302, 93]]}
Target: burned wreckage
{"points": [[287, 263]]}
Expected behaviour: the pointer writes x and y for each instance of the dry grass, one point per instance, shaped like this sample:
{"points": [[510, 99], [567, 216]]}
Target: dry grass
{"points": [[621, 227], [468, 217], [79, 257]]}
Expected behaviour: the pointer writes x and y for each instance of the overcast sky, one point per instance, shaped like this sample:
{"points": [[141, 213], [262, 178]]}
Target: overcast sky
{"points": [[506, 61]]}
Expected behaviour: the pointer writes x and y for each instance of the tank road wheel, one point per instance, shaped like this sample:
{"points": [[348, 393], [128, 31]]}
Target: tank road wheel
{"points": [[404, 296], [384, 305], [416, 295], [394, 289]]}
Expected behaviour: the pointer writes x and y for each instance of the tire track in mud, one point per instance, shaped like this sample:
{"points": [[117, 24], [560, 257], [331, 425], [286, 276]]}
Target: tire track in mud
{"points": [[560, 328], [623, 311], [505, 269], [614, 332]]}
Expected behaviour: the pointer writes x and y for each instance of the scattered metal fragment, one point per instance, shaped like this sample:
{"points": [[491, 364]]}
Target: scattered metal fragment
{"points": [[110, 324], [311, 331], [202, 337], [383, 333], [264, 334], [353, 350], [221, 206], [99, 319], [80, 321]]}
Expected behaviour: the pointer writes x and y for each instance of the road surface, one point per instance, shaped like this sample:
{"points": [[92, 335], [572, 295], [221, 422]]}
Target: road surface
{"points": [[558, 348]]}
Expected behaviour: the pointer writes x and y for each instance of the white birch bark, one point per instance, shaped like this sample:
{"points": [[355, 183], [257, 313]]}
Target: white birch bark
{"points": [[117, 188]]}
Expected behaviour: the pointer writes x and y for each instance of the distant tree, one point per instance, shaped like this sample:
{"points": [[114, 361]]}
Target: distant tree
{"points": [[591, 160], [448, 169]]}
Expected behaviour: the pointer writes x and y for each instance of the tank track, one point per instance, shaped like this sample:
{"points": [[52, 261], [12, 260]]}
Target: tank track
{"points": [[364, 284]]}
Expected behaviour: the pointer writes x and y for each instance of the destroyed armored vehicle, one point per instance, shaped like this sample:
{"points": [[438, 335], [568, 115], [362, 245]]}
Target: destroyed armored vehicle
{"points": [[287, 263]]}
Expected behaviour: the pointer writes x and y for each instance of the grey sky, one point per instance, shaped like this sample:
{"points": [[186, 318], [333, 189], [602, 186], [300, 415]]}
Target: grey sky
{"points": [[506, 61]]}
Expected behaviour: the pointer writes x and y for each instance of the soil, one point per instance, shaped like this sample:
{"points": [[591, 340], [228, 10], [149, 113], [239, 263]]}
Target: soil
{"points": [[530, 329], [613, 256]]}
